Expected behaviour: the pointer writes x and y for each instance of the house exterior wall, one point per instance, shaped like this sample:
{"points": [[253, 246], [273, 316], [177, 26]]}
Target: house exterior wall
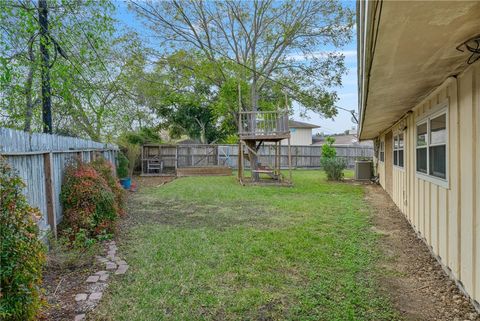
{"points": [[299, 136], [445, 214]]}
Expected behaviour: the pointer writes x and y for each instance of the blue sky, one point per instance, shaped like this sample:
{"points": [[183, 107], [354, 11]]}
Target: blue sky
{"points": [[347, 93]]}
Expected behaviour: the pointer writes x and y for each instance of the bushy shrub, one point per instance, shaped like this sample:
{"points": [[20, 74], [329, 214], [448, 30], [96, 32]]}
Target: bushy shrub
{"points": [[328, 151], [131, 143], [334, 168], [88, 202], [106, 170], [332, 165], [122, 168], [22, 255]]}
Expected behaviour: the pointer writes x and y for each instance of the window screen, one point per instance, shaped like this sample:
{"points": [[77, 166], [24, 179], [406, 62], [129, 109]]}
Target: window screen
{"points": [[398, 150], [382, 151], [422, 130], [432, 146], [438, 146]]}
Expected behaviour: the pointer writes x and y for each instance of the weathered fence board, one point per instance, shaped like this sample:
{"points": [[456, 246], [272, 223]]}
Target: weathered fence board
{"points": [[40, 160], [302, 156], [182, 156]]}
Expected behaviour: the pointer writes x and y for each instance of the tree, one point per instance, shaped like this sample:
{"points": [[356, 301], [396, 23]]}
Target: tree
{"points": [[286, 43], [89, 60], [182, 92]]}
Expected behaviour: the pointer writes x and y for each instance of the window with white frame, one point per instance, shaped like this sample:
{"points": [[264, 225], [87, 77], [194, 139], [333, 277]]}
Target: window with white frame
{"points": [[432, 146], [398, 149], [381, 151]]}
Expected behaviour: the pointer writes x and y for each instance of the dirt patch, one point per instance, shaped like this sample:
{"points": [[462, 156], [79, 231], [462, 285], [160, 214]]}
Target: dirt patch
{"points": [[61, 284], [151, 181], [413, 280]]}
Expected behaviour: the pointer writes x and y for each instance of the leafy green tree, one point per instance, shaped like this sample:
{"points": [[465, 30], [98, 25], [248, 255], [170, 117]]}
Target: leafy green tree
{"points": [[90, 60], [287, 43], [284, 40]]}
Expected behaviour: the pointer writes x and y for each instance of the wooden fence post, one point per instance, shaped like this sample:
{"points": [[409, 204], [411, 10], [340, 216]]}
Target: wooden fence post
{"points": [[49, 192]]}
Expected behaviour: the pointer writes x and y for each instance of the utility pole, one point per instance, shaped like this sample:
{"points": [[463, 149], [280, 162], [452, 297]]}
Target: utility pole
{"points": [[45, 66]]}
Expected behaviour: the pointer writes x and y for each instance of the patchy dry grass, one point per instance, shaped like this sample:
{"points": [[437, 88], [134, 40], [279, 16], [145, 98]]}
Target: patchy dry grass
{"points": [[206, 248]]}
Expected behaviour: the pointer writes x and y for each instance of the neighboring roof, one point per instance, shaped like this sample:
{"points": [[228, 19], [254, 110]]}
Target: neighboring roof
{"points": [[299, 124], [407, 49], [344, 140]]}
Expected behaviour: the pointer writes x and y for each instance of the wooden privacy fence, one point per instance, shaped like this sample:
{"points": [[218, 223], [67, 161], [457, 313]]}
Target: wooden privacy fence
{"points": [[302, 156], [40, 160], [165, 159]]}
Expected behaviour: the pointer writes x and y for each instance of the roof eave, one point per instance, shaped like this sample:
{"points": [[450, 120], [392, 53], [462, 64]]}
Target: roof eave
{"points": [[365, 30]]}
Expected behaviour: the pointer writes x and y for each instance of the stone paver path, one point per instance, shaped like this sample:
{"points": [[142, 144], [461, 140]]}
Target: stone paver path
{"points": [[97, 282]]}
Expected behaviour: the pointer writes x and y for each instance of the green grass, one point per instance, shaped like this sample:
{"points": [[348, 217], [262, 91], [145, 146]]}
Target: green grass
{"points": [[206, 248]]}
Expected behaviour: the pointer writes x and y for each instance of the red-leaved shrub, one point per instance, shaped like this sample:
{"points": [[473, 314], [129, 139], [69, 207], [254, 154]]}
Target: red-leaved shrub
{"points": [[107, 171], [89, 203]]}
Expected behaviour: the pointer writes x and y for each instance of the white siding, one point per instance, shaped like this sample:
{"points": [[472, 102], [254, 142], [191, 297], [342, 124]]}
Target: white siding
{"points": [[299, 136]]}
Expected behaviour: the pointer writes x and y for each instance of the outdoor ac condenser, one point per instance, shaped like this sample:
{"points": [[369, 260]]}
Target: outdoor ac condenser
{"points": [[363, 170]]}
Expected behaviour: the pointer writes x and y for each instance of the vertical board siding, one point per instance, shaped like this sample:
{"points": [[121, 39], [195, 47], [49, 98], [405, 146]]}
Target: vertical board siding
{"points": [[25, 154], [476, 225], [447, 217]]}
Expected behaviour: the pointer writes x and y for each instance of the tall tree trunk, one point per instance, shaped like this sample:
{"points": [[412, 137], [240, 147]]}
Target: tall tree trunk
{"points": [[45, 58]]}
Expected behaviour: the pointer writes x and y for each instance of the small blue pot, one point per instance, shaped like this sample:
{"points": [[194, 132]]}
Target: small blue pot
{"points": [[126, 182]]}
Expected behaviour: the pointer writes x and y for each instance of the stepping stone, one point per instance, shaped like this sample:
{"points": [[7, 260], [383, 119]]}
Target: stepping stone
{"points": [[112, 247], [101, 259], [80, 317], [95, 296], [100, 273], [104, 277], [122, 262], [111, 266], [93, 278], [117, 259], [121, 269], [80, 297]]}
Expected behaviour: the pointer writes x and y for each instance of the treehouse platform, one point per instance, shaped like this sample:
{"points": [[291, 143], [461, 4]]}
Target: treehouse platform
{"points": [[268, 128]]}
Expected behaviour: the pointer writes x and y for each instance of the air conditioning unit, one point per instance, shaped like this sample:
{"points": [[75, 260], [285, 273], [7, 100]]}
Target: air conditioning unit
{"points": [[363, 170]]}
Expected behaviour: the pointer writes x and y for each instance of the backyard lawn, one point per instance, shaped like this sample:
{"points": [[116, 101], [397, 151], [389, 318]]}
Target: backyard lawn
{"points": [[206, 248]]}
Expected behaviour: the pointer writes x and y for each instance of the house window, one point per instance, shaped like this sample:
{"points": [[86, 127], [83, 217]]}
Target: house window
{"points": [[382, 151], [398, 150], [438, 146], [432, 146]]}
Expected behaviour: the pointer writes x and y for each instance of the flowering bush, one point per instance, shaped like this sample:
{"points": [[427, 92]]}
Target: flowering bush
{"points": [[22, 255], [106, 170], [88, 201]]}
